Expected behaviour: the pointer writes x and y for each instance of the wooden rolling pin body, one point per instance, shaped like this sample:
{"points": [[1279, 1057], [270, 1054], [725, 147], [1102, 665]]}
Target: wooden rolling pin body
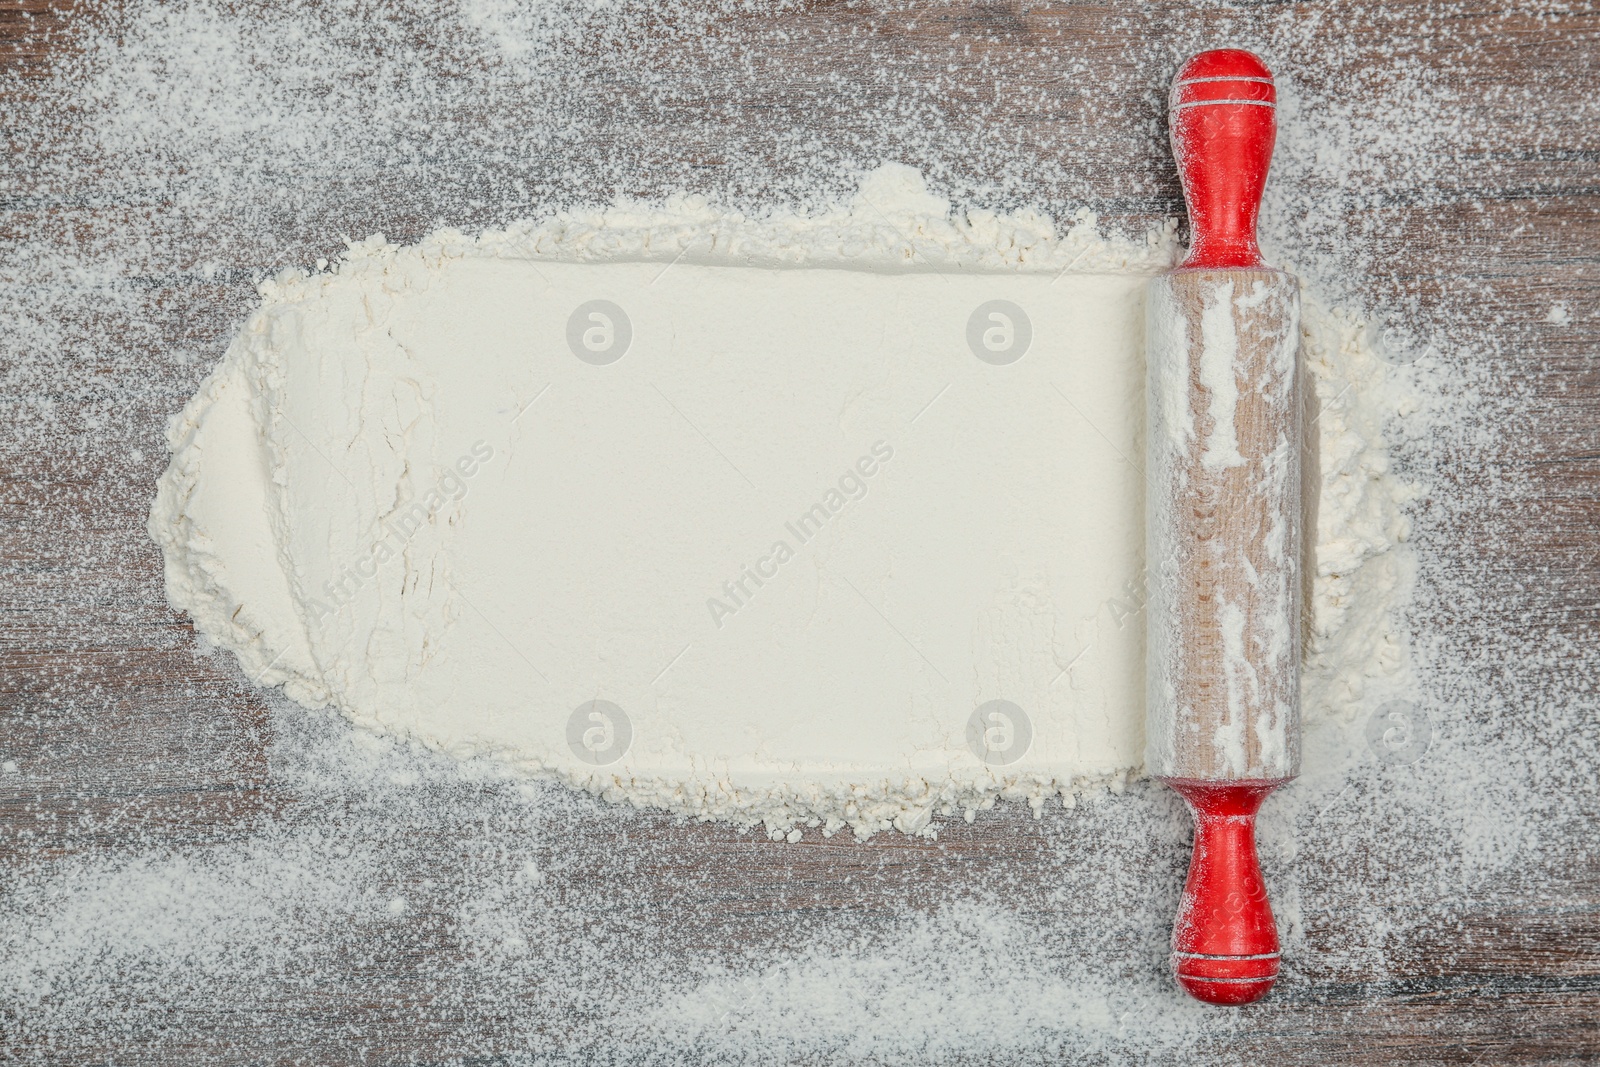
{"points": [[1224, 525], [1223, 533]]}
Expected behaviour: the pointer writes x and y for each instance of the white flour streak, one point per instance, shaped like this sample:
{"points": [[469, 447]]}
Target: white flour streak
{"points": [[1219, 349]]}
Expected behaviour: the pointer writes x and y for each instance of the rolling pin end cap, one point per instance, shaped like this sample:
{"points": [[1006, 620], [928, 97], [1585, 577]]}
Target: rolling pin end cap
{"points": [[1225, 942], [1223, 118], [1226, 980]]}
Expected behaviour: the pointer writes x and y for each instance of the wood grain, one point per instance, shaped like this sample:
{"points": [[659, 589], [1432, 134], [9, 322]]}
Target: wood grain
{"points": [[130, 743], [1233, 713]]}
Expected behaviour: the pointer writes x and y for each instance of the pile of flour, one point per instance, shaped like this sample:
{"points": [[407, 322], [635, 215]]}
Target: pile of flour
{"points": [[825, 520]]}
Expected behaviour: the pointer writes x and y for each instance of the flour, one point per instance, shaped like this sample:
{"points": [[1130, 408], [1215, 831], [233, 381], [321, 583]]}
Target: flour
{"points": [[1221, 348], [798, 520], [199, 873]]}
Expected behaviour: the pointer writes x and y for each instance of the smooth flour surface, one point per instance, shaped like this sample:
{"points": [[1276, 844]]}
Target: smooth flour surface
{"points": [[776, 526]]}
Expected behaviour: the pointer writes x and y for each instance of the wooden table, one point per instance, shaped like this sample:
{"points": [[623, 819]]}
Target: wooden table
{"points": [[135, 754]]}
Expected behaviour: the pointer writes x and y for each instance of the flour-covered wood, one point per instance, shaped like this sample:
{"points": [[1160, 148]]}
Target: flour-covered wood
{"points": [[130, 745], [1224, 525]]}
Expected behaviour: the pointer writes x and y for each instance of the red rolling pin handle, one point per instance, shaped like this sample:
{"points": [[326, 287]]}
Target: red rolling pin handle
{"points": [[1222, 114], [1223, 117], [1224, 943]]}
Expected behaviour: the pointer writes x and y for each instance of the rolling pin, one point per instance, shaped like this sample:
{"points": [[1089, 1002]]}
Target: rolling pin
{"points": [[1223, 534]]}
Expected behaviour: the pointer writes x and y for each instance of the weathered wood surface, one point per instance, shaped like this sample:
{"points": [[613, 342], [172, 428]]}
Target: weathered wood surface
{"points": [[126, 741], [1216, 527]]}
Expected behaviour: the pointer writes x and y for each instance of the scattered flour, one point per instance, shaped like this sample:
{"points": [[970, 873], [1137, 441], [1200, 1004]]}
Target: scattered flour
{"points": [[223, 893]]}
